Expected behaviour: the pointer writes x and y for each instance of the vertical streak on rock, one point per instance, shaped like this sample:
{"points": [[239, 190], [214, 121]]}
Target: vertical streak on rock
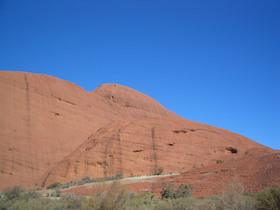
{"points": [[110, 165], [27, 99], [154, 149], [105, 157], [120, 149], [45, 179], [106, 161]]}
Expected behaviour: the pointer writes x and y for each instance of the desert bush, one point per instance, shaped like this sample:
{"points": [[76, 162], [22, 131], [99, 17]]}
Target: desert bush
{"points": [[119, 176], [30, 194], [145, 201], [38, 203], [53, 185], [184, 191], [4, 203], [205, 203], [268, 199], [68, 196], [72, 201], [54, 193], [159, 171], [174, 204], [85, 180], [233, 198], [250, 200], [168, 191], [219, 161], [66, 185], [12, 193], [182, 203], [113, 198], [165, 204]]}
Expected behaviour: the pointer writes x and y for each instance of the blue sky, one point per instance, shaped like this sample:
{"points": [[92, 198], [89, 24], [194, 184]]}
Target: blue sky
{"points": [[215, 62]]}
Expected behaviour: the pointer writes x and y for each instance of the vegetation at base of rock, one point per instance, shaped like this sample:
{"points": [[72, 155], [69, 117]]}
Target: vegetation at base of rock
{"points": [[269, 199], [112, 197], [219, 161], [159, 171], [183, 191], [86, 180], [12, 193], [53, 185], [116, 196]]}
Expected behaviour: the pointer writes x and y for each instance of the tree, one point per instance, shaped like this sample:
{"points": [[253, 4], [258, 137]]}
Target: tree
{"points": [[232, 195]]}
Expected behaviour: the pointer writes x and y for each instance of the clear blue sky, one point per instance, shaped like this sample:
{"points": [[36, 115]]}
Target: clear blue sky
{"points": [[211, 61]]}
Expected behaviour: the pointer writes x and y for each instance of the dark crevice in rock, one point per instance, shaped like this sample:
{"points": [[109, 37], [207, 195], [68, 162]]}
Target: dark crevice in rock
{"points": [[179, 131], [232, 150], [138, 150], [65, 101]]}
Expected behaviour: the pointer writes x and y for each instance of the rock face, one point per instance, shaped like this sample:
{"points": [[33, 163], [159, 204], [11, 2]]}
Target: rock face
{"points": [[53, 130], [43, 119], [257, 169], [142, 146]]}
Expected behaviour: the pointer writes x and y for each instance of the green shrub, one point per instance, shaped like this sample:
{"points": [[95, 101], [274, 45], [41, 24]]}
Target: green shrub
{"points": [[268, 199], [202, 204], [184, 191], [68, 196], [113, 198], [12, 193], [119, 176], [159, 171], [5, 204], [30, 194], [53, 185], [219, 161], [145, 199], [54, 193], [168, 191], [85, 180]]}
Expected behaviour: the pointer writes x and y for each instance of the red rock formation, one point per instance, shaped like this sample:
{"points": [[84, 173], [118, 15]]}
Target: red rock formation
{"points": [[255, 170], [43, 119], [53, 130], [142, 146]]}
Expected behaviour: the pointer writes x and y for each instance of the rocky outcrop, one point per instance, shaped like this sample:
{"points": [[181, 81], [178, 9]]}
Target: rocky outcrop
{"points": [[142, 146], [53, 130], [43, 119]]}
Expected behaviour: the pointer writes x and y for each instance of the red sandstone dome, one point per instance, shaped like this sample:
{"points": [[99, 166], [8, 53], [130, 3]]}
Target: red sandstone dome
{"points": [[53, 130]]}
